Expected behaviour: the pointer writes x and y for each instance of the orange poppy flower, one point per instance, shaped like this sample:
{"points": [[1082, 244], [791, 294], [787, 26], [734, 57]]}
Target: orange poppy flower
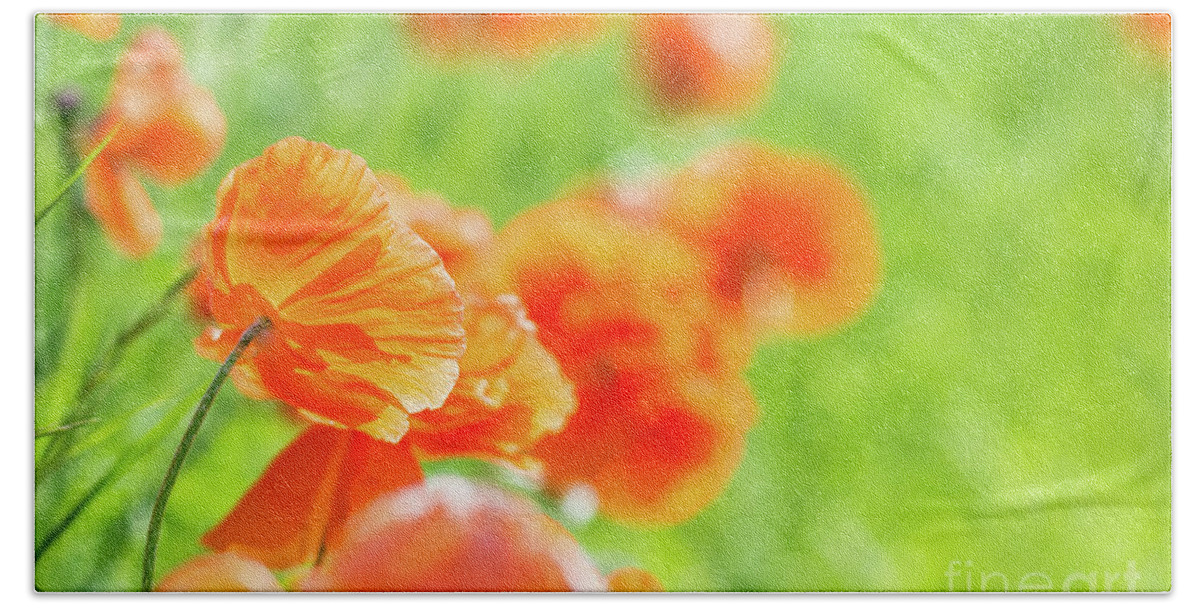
{"points": [[220, 572], [662, 408], [792, 245], [95, 26], [453, 535], [1149, 31], [510, 392], [366, 326], [306, 494], [511, 34], [163, 126], [704, 62], [625, 580]]}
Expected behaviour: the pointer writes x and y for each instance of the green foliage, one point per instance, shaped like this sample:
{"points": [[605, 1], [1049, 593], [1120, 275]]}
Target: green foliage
{"points": [[1005, 401]]}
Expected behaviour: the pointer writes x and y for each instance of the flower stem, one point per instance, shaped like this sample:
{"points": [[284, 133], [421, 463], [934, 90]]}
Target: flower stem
{"points": [[64, 428], [80, 412], [71, 181], [185, 445], [148, 319]]}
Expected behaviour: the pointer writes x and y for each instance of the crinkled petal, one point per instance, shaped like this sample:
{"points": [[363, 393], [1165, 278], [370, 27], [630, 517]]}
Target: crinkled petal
{"points": [[366, 323]]}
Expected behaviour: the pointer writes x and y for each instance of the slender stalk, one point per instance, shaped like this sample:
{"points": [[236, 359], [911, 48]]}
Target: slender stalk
{"points": [[185, 445], [100, 371], [129, 456], [77, 510], [148, 319], [83, 165], [64, 428]]}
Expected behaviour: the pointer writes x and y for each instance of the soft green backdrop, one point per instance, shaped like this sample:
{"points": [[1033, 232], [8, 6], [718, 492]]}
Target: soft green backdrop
{"points": [[1004, 404]]}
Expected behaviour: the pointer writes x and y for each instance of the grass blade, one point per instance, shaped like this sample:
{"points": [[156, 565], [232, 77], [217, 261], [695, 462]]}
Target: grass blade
{"points": [[87, 162]]}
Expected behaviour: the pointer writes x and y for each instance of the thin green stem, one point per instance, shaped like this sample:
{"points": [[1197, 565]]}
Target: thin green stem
{"points": [[87, 162], [64, 428], [77, 510], [102, 368], [129, 455], [185, 445], [148, 319]]}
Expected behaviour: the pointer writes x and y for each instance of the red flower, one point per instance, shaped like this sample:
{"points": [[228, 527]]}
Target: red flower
{"points": [[308, 491], [662, 407], [510, 393], [366, 326]]}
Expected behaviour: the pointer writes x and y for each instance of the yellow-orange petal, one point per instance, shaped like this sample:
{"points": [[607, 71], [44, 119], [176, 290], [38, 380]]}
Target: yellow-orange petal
{"points": [[628, 580], [366, 323], [171, 129], [308, 491], [462, 237], [510, 393], [95, 26], [655, 444], [122, 207], [453, 535], [704, 62], [220, 572], [791, 242]]}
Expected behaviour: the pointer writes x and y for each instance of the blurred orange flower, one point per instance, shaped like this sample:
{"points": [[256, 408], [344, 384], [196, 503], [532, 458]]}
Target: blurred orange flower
{"points": [[625, 580], [164, 127], [96, 26], [220, 572], [596, 283], [366, 326], [510, 34], [453, 535], [1149, 31], [791, 245], [704, 62], [656, 444], [662, 406], [303, 499]]}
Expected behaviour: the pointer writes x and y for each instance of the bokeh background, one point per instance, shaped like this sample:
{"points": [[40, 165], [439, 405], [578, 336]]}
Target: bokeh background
{"points": [[1005, 401]]}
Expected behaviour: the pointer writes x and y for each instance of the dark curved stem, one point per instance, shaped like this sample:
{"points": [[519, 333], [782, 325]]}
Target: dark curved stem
{"points": [[185, 445]]}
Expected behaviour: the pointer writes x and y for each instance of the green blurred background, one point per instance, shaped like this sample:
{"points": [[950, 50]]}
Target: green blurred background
{"points": [[1004, 403]]}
